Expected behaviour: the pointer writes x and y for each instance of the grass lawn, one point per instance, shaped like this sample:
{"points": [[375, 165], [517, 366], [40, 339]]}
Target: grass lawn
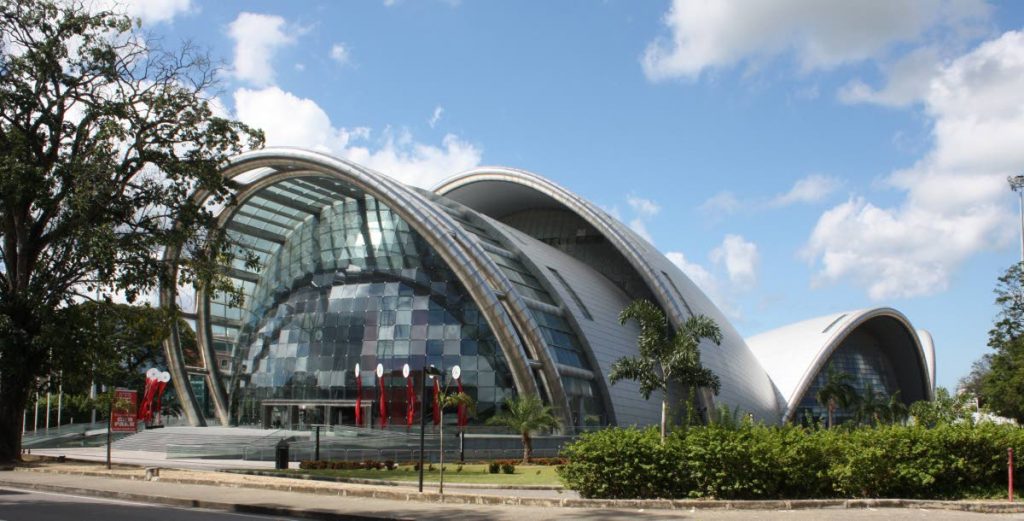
{"points": [[471, 473]]}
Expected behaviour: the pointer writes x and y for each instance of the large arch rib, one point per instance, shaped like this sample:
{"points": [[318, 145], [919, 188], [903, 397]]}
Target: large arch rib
{"points": [[486, 284], [622, 240]]}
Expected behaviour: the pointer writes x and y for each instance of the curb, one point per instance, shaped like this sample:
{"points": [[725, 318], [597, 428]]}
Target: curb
{"points": [[986, 507], [391, 483]]}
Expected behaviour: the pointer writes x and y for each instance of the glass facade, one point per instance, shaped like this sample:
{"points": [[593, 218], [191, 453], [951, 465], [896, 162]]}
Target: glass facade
{"points": [[861, 356], [563, 343], [345, 280]]}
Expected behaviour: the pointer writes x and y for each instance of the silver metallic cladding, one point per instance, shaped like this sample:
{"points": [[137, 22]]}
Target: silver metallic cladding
{"points": [[744, 381]]}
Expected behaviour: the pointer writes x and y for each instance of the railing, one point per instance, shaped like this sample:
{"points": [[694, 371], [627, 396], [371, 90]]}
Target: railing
{"points": [[327, 453]]}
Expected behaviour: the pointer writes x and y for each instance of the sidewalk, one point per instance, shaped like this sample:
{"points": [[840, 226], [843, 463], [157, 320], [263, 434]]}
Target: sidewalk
{"points": [[320, 499]]}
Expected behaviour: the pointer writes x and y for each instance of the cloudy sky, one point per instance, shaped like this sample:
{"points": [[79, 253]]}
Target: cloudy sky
{"points": [[795, 157]]}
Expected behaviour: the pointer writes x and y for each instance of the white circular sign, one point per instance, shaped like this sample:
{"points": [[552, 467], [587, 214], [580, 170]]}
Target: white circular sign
{"points": [[165, 377], [405, 370], [380, 370], [456, 372], [152, 374], [357, 369]]}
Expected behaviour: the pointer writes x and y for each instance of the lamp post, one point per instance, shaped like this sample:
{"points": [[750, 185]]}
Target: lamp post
{"points": [[1017, 185], [427, 371]]}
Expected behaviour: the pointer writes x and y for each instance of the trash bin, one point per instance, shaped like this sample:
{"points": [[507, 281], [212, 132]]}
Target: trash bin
{"points": [[281, 455]]}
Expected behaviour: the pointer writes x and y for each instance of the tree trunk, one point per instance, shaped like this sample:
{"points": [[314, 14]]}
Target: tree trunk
{"points": [[664, 412], [527, 447], [831, 409], [13, 399]]}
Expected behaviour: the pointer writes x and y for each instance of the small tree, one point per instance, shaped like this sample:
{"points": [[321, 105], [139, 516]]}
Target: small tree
{"points": [[666, 356], [525, 414], [836, 392], [446, 401]]}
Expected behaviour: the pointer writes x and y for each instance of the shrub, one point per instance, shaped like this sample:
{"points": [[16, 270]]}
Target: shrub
{"points": [[508, 468], [493, 467], [762, 462]]}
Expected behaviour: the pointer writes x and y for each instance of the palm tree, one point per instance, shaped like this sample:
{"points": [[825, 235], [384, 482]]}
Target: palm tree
{"points": [[837, 392], [896, 411], [525, 414], [872, 406], [666, 356]]}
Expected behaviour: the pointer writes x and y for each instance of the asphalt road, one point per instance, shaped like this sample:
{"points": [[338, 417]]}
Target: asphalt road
{"points": [[24, 505]]}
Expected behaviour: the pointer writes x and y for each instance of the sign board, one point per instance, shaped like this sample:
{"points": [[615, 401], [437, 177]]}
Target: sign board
{"points": [[122, 415]]}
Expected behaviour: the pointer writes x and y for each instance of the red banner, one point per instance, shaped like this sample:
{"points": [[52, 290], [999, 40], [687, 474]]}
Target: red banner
{"points": [[359, 400], [437, 401], [410, 399], [383, 404], [463, 417], [122, 415]]}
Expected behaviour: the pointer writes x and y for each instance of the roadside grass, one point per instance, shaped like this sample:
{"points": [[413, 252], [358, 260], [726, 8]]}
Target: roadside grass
{"points": [[470, 473]]}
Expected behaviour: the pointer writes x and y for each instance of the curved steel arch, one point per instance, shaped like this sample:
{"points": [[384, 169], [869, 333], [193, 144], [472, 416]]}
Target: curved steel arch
{"points": [[504, 311], [623, 240], [852, 323]]}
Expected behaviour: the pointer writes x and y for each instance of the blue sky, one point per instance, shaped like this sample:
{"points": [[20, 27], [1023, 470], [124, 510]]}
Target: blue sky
{"points": [[795, 157]]}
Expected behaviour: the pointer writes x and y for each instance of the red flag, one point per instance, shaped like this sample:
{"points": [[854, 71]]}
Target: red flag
{"points": [[437, 402], [383, 404], [160, 387], [359, 400], [145, 412], [463, 418], [410, 399]]}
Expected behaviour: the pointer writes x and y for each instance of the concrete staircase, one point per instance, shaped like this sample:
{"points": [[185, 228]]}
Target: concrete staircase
{"points": [[203, 442]]}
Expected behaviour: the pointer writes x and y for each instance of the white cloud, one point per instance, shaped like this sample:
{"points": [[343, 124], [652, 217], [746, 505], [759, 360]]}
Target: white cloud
{"points": [[707, 282], [644, 207], [741, 259], [906, 80], [720, 205], [417, 163], [149, 11], [697, 273], [638, 226], [289, 120], [811, 189], [436, 116], [340, 54], [956, 202], [257, 37], [820, 35]]}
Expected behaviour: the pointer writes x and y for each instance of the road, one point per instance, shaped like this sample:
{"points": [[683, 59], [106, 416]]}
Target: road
{"points": [[24, 505]]}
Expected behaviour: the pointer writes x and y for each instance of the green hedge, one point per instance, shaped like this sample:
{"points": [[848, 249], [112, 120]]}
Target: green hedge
{"points": [[759, 462]]}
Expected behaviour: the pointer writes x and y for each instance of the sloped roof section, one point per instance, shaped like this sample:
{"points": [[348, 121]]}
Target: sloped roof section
{"points": [[793, 355]]}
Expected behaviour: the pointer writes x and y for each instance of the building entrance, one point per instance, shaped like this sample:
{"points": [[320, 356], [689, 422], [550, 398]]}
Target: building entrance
{"points": [[303, 414]]}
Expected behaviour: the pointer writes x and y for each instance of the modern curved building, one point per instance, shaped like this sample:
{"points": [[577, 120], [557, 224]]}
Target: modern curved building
{"points": [[500, 271]]}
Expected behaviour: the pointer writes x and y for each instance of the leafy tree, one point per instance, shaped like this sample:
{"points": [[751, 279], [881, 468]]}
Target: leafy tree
{"points": [[945, 409], [1001, 387], [837, 392], [525, 415], [666, 356], [104, 136]]}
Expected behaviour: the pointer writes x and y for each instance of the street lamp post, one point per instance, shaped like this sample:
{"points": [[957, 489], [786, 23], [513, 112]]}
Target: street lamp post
{"points": [[427, 371], [1017, 185]]}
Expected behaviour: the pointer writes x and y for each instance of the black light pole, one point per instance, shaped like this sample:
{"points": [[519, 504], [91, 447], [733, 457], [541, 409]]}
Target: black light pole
{"points": [[431, 371]]}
